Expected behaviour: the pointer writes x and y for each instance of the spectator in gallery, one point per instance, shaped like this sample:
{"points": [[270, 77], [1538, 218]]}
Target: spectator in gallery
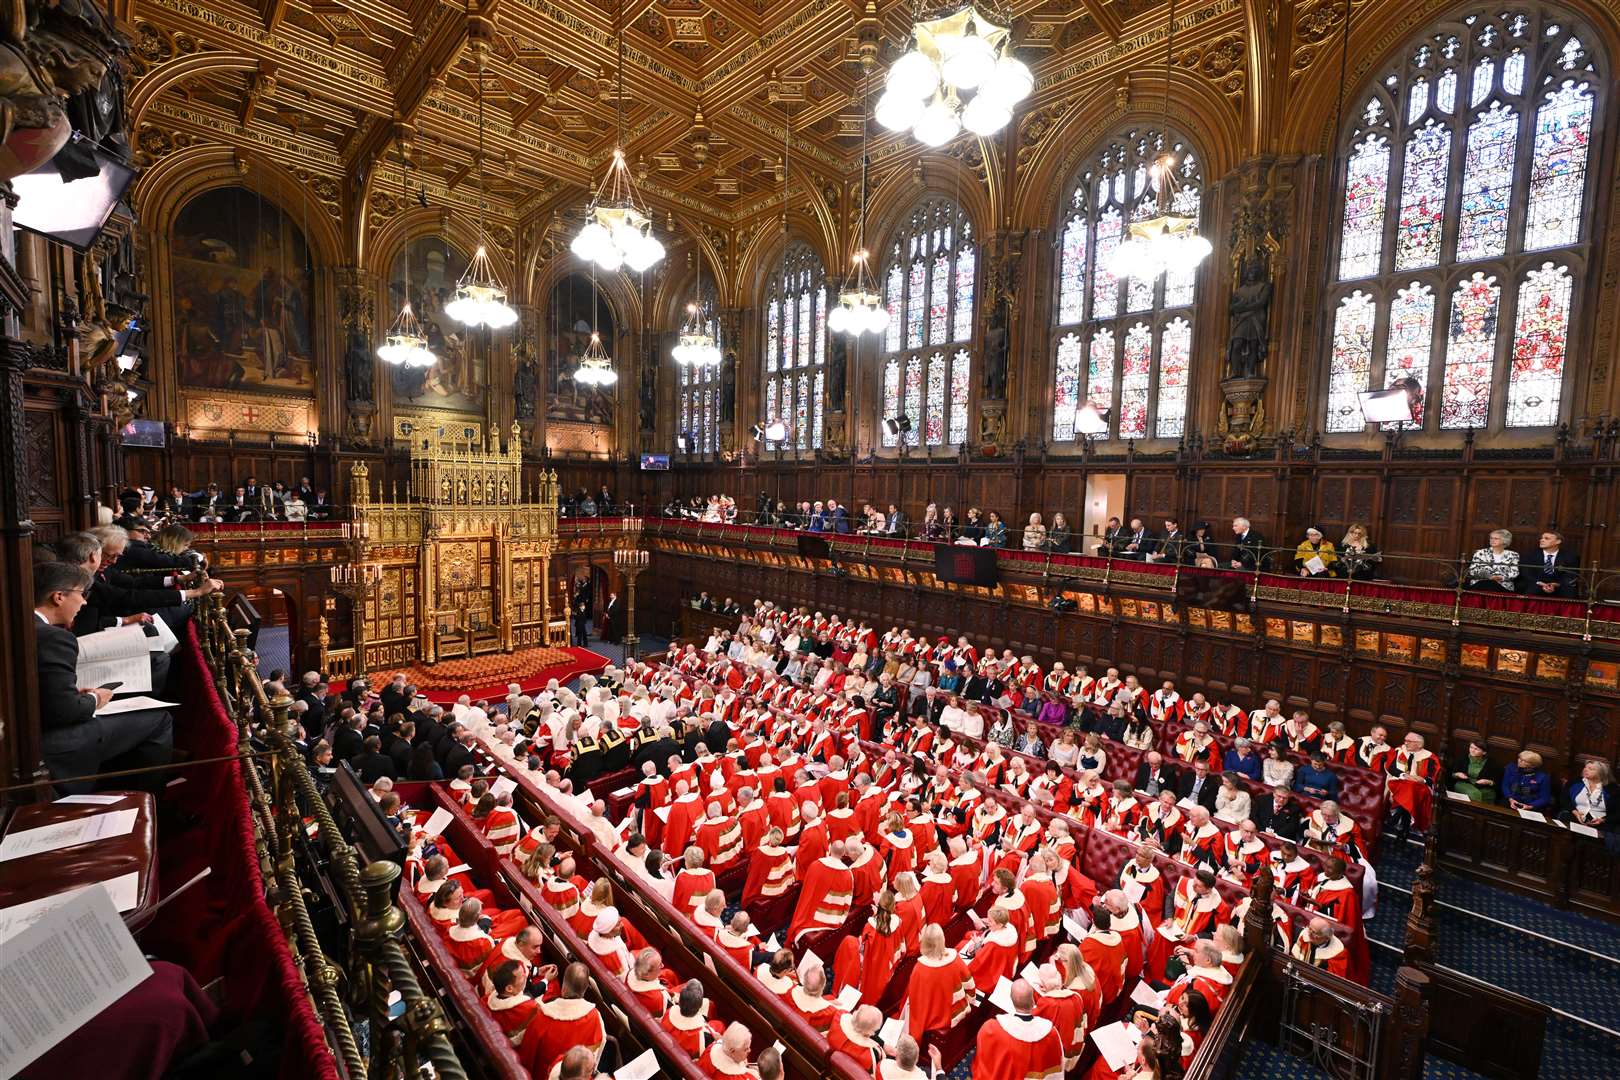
{"points": [[1315, 557], [1526, 785], [1358, 555], [1172, 547], [1200, 549], [995, 531], [947, 524], [1553, 571], [1248, 546], [320, 507], [1135, 542], [1472, 774], [1275, 768], [1034, 534], [972, 530], [1057, 537], [1242, 759], [295, 509], [1109, 537], [585, 505], [931, 528], [895, 522], [1593, 797], [1494, 568]]}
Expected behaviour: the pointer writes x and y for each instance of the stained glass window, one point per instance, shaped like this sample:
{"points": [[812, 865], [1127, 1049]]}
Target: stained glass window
{"points": [[931, 279], [891, 397], [1135, 336], [1409, 343], [1536, 368], [698, 389], [961, 384], [1175, 349], [1133, 383], [1558, 167], [1470, 347], [1474, 145], [798, 285], [1066, 390], [934, 425], [1072, 272], [1352, 361]]}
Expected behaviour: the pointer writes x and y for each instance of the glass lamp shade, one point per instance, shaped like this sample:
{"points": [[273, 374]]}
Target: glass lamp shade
{"points": [[898, 112], [913, 76], [969, 62], [938, 124], [986, 114], [838, 319], [1010, 82]]}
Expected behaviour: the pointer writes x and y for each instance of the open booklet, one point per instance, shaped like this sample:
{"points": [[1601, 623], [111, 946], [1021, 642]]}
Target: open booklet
{"points": [[120, 655]]}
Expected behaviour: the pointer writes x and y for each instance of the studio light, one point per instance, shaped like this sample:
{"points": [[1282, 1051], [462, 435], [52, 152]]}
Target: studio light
{"points": [[776, 431], [1090, 421], [1396, 404]]}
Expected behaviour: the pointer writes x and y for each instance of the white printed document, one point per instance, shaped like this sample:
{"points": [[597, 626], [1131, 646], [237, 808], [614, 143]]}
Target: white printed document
{"points": [[62, 972], [63, 834], [1117, 1043], [119, 655], [125, 892], [137, 703]]}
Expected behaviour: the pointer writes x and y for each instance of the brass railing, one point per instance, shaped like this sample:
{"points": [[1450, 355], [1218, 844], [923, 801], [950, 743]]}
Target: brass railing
{"points": [[379, 964]]}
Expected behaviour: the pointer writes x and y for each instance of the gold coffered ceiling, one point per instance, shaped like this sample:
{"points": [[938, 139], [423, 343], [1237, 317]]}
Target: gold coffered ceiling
{"points": [[328, 86]]}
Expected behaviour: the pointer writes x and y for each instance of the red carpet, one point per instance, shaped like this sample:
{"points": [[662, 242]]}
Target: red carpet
{"points": [[487, 676]]}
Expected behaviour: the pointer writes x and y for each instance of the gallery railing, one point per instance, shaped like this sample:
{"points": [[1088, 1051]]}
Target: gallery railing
{"points": [[283, 801]]}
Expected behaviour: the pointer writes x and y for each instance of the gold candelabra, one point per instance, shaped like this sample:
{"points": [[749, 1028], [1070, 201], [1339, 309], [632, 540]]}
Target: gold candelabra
{"points": [[632, 563], [356, 582]]}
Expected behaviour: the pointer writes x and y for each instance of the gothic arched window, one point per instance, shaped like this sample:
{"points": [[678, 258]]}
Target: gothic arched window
{"points": [[1123, 345], [698, 407], [796, 349], [1466, 214], [928, 285]]}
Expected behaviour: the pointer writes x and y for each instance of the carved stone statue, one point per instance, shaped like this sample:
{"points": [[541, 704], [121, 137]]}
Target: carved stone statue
{"points": [[647, 398], [837, 359], [1249, 313], [728, 387], [525, 387], [358, 365], [995, 349]]}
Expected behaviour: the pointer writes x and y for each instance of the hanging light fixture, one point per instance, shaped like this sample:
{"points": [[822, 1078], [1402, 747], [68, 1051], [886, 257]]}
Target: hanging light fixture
{"points": [[595, 365], [617, 230], [959, 73], [1168, 241], [406, 345], [696, 346], [860, 307], [480, 298]]}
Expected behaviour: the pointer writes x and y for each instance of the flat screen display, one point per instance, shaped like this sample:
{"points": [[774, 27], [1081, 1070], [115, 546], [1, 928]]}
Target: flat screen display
{"points": [[655, 462]]}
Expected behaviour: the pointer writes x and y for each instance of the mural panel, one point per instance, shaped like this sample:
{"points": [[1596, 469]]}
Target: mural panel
{"points": [[243, 286], [460, 377], [569, 311]]}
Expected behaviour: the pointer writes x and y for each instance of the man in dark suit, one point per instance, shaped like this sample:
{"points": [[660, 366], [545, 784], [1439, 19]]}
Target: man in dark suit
{"points": [[174, 504], [208, 504], [396, 743], [240, 506], [349, 736], [75, 741], [1278, 814], [1134, 543], [1249, 547], [1110, 537], [371, 762], [1199, 786], [656, 750], [108, 603], [319, 508], [459, 751], [1551, 572], [396, 696], [895, 522], [839, 517], [1153, 775], [1169, 547]]}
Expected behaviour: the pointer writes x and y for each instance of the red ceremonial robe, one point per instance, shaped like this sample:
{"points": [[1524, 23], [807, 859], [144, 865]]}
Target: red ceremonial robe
{"points": [[1019, 1048], [1332, 957], [1105, 951], [770, 873], [939, 898], [562, 1024], [868, 960], [996, 958], [864, 1051], [1067, 1011], [721, 841], [812, 846], [717, 1066], [692, 1033], [826, 892], [684, 814], [817, 1012], [691, 886], [513, 1013], [940, 994]]}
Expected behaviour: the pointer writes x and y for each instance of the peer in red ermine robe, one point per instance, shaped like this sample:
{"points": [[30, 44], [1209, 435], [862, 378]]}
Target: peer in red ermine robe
{"points": [[770, 874], [561, 1025], [825, 895], [1018, 1048], [867, 960], [996, 958], [939, 995]]}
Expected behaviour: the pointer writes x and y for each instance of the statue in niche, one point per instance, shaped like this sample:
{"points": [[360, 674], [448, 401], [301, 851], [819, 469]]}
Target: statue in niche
{"points": [[728, 387], [837, 358], [1249, 313], [358, 365], [525, 385], [995, 349], [648, 403]]}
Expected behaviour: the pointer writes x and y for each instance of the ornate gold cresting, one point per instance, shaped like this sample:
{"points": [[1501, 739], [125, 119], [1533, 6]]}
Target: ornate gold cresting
{"points": [[446, 554]]}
